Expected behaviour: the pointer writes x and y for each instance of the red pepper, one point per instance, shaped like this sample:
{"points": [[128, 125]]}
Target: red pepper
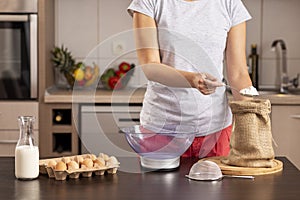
{"points": [[124, 67], [114, 83], [120, 73]]}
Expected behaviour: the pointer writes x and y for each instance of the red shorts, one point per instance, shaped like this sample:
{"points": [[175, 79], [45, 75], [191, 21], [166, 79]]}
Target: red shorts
{"points": [[216, 144]]}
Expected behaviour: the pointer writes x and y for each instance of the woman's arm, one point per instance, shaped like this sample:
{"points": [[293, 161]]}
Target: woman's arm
{"points": [[149, 58], [236, 64]]}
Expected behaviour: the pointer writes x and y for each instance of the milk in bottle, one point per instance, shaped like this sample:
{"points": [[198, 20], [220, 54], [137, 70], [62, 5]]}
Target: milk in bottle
{"points": [[27, 151]]}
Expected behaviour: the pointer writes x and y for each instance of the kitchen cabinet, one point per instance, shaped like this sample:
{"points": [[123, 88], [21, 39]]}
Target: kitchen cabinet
{"points": [[87, 109], [59, 136], [100, 127], [286, 131], [9, 127]]}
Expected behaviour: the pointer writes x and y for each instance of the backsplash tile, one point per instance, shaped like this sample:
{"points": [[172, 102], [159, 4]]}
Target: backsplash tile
{"points": [[93, 22], [280, 21], [76, 25], [277, 21]]}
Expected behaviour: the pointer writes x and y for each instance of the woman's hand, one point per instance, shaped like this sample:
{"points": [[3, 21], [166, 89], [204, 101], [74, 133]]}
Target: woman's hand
{"points": [[205, 83]]}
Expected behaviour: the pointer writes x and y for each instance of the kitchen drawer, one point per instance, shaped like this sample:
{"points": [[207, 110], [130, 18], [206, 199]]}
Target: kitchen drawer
{"points": [[100, 132], [116, 121], [111, 119], [100, 128], [8, 141], [9, 112]]}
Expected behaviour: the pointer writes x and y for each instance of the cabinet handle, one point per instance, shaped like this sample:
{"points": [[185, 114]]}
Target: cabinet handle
{"points": [[129, 120], [13, 18], [295, 116], [8, 141]]}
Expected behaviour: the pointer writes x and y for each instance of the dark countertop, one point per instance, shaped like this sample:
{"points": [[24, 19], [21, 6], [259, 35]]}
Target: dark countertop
{"points": [[173, 185]]}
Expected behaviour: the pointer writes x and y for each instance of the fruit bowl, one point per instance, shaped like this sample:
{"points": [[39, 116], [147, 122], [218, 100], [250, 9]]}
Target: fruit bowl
{"points": [[117, 78], [84, 76], [160, 150], [70, 74]]}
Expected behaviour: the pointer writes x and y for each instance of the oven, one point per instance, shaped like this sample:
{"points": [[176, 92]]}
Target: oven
{"points": [[18, 50]]}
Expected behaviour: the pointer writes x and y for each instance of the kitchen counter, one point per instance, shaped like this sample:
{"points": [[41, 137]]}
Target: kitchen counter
{"points": [[136, 95], [152, 185], [127, 95], [280, 99]]}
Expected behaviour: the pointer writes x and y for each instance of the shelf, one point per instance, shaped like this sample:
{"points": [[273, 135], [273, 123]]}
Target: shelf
{"points": [[61, 142]]}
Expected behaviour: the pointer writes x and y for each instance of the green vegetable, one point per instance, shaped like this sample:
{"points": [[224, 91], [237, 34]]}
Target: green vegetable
{"points": [[110, 72]]}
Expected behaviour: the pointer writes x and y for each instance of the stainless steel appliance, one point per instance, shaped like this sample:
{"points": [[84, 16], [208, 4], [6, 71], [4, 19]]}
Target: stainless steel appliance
{"points": [[100, 127], [18, 49]]}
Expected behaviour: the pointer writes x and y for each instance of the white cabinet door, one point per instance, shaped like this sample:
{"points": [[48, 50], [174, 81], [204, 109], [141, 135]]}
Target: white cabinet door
{"points": [[286, 131]]}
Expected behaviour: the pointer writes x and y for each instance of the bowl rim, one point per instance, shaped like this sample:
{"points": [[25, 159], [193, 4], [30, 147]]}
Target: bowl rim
{"points": [[140, 130]]}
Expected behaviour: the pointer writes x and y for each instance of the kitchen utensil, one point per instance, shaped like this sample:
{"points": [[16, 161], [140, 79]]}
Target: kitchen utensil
{"points": [[209, 171], [160, 149], [249, 91]]}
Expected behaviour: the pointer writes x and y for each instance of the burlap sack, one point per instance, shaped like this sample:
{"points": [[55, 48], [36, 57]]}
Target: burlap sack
{"points": [[251, 139]]}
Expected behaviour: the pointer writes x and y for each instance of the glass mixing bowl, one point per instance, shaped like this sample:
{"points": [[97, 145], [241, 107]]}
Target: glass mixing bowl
{"points": [[160, 149]]}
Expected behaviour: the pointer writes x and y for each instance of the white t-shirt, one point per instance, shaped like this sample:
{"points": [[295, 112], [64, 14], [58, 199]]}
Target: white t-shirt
{"points": [[192, 36]]}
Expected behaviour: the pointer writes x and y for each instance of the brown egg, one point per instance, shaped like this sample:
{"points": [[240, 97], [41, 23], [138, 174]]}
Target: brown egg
{"points": [[78, 159], [51, 163], [88, 163], [61, 166], [99, 162], [66, 159], [93, 157], [72, 165]]}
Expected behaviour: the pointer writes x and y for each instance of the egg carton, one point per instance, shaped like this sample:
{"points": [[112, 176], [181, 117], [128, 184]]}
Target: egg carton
{"points": [[49, 166]]}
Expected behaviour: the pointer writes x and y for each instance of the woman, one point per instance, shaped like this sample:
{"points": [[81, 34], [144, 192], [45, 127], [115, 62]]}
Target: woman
{"points": [[180, 47]]}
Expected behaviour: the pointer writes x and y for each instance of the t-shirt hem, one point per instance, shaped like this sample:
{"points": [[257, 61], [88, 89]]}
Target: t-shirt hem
{"points": [[214, 131], [132, 10], [240, 21]]}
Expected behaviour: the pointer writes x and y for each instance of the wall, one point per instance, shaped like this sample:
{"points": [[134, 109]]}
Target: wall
{"points": [[98, 29], [274, 19]]}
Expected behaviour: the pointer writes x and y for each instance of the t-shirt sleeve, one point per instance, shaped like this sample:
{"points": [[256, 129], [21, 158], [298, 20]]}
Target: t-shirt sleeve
{"points": [[238, 12], [145, 7]]}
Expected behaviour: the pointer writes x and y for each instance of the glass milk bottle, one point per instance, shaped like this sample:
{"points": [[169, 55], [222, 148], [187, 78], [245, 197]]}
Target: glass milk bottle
{"points": [[27, 151]]}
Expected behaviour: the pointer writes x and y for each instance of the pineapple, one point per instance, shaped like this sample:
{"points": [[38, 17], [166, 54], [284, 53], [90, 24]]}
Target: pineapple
{"points": [[64, 61]]}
